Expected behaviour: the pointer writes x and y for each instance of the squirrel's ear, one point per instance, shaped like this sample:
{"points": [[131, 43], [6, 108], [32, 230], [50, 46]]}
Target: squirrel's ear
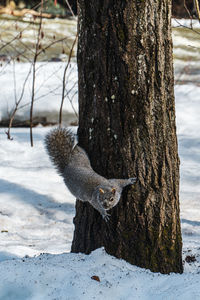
{"points": [[101, 191], [113, 190]]}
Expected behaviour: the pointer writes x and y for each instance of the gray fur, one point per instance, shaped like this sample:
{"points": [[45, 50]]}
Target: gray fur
{"points": [[59, 144], [83, 182]]}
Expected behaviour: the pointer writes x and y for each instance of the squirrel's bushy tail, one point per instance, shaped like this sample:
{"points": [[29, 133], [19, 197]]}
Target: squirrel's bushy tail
{"points": [[59, 144]]}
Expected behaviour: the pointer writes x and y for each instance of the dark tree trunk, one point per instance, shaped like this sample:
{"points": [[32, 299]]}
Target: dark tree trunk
{"points": [[127, 126]]}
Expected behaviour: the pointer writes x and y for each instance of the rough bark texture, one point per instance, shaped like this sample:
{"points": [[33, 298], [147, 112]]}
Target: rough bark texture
{"points": [[127, 126]]}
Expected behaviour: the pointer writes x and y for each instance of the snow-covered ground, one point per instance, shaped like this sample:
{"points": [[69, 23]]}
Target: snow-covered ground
{"points": [[36, 216], [36, 210], [69, 277]]}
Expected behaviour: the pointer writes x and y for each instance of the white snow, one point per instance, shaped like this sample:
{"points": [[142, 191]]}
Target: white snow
{"points": [[68, 277], [36, 216], [185, 23], [48, 90], [36, 210]]}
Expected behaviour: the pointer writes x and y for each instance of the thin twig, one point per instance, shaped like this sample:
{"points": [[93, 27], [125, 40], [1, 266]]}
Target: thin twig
{"points": [[72, 105], [189, 28], [188, 12], [17, 106], [34, 74], [70, 8], [64, 81], [54, 42], [14, 79], [20, 33], [196, 2]]}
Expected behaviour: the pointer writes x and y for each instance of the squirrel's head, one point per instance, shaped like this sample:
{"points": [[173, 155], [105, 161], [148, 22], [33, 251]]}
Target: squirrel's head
{"points": [[108, 197]]}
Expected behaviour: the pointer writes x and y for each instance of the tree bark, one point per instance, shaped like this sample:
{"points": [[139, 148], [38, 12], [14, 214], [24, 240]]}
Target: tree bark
{"points": [[127, 126]]}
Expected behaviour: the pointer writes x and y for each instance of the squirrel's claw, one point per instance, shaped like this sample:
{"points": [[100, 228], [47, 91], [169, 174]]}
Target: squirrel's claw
{"points": [[132, 180], [106, 217]]}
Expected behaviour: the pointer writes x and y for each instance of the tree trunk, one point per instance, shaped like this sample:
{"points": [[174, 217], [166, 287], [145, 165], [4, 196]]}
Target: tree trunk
{"points": [[127, 126]]}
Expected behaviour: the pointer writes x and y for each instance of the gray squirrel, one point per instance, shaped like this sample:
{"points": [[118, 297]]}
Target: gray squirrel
{"points": [[84, 183]]}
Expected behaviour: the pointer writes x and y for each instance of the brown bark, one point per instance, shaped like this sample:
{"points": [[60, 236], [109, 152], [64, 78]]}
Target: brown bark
{"points": [[127, 126]]}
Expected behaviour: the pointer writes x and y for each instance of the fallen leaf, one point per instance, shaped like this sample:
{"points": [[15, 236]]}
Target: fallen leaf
{"points": [[95, 277]]}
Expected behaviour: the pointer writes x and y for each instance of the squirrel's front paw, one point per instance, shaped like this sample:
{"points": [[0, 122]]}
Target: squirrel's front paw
{"points": [[106, 217], [132, 180]]}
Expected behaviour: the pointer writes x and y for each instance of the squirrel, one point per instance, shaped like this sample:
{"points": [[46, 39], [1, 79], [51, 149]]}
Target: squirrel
{"points": [[83, 182]]}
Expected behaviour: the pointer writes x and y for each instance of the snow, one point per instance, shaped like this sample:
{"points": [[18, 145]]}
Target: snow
{"points": [[36, 216], [36, 209], [48, 90], [185, 23], [68, 276]]}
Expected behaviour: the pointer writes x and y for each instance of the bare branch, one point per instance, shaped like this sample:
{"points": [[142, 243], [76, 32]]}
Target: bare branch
{"points": [[189, 28], [188, 12], [54, 42], [196, 5], [17, 106], [64, 80], [34, 73], [70, 8]]}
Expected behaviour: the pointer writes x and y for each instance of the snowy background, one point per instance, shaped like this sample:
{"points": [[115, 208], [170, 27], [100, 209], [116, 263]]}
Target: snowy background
{"points": [[36, 210]]}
